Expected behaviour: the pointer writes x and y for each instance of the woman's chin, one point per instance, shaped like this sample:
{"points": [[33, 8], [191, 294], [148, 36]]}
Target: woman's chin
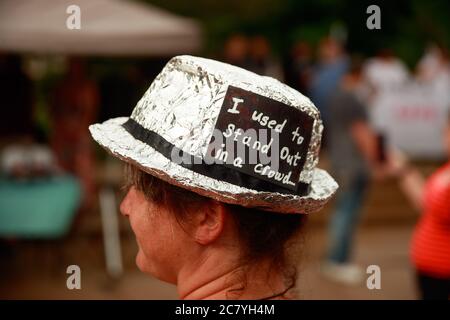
{"points": [[145, 265], [141, 262]]}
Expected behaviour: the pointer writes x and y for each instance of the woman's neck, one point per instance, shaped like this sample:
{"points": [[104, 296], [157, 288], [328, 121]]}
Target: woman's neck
{"points": [[218, 276]]}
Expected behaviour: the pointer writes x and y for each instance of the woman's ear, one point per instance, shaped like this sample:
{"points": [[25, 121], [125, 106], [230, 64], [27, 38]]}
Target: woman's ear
{"points": [[210, 222]]}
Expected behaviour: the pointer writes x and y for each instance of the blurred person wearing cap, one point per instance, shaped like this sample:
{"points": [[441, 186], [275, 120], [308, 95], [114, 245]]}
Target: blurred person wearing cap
{"points": [[355, 154], [430, 246], [222, 229]]}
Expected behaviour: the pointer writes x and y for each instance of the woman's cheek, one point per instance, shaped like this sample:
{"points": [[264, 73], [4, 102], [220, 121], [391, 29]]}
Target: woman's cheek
{"points": [[140, 226], [144, 255]]}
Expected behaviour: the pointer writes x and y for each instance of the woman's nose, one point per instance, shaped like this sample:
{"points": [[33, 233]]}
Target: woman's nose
{"points": [[125, 206]]}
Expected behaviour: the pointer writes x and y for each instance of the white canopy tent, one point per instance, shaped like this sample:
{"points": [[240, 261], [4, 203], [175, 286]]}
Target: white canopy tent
{"points": [[108, 27]]}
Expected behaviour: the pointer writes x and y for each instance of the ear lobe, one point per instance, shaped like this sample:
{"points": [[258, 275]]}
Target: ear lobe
{"points": [[211, 223]]}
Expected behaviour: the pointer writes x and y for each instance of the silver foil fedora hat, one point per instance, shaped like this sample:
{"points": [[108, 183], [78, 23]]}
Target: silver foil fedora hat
{"points": [[201, 121]]}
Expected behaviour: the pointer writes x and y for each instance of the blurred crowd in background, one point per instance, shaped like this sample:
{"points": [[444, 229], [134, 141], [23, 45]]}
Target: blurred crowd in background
{"points": [[370, 105]]}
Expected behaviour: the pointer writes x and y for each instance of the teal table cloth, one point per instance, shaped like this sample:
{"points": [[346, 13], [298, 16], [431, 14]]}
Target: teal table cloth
{"points": [[38, 208]]}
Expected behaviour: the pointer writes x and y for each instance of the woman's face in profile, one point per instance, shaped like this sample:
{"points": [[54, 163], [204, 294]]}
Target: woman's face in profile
{"points": [[160, 239]]}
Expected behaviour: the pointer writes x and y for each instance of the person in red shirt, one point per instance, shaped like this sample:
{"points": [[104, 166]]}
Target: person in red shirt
{"points": [[430, 247]]}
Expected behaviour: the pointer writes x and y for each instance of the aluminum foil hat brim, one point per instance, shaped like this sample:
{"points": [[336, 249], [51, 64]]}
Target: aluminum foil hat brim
{"points": [[114, 138]]}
